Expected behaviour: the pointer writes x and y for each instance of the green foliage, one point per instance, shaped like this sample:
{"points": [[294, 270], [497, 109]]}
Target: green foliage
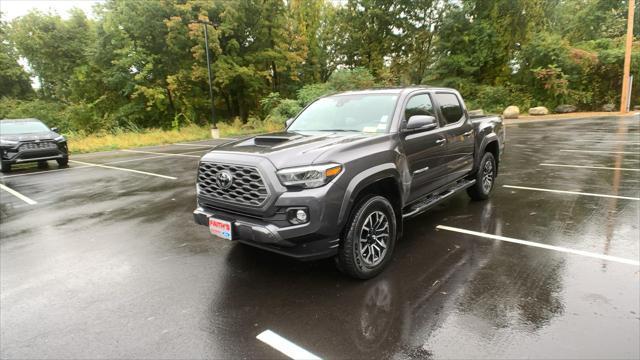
{"points": [[351, 79], [50, 112], [311, 92], [287, 108], [14, 80], [142, 64]]}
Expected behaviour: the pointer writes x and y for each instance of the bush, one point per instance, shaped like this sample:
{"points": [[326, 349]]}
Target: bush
{"points": [[51, 113], [351, 79], [494, 99], [287, 108], [270, 102], [308, 93]]}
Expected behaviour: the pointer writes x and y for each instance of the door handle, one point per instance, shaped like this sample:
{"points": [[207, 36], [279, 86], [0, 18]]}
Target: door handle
{"points": [[468, 133], [441, 141]]}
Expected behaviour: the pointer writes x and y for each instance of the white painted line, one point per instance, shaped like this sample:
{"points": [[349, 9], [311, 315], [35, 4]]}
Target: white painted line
{"points": [[543, 246], [195, 145], [18, 195], [284, 346], [136, 159], [602, 152], [43, 172], [124, 169], [160, 153], [571, 192], [610, 141], [590, 167]]}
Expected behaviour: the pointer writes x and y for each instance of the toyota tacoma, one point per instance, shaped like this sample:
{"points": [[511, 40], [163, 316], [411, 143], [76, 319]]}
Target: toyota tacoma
{"points": [[346, 171]]}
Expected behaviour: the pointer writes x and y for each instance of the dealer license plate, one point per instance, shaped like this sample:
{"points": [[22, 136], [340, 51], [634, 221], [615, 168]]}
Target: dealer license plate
{"points": [[220, 228]]}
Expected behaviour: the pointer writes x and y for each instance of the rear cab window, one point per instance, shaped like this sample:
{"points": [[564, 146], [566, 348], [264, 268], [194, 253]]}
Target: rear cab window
{"points": [[450, 108]]}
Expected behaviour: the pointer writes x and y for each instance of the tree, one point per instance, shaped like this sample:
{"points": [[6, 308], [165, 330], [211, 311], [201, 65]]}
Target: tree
{"points": [[53, 47], [14, 80]]}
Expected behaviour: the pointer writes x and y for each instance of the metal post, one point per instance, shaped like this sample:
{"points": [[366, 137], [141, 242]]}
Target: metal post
{"points": [[206, 45], [626, 95]]}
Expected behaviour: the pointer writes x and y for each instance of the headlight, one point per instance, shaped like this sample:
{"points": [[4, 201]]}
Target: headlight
{"points": [[7, 142], [309, 176], [59, 138]]}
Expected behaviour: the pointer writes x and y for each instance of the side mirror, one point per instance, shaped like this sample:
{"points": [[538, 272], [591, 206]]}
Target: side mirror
{"points": [[422, 122], [54, 129], [288, 122]]}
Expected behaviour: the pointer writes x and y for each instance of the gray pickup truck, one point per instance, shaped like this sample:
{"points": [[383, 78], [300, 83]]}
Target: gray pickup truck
{"points": [[342, 176]]}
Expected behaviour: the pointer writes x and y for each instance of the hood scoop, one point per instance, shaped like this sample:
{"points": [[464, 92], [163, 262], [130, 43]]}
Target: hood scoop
{"points": [[270, 140]]}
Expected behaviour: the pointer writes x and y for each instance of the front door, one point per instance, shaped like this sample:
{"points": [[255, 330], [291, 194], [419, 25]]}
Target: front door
{"points": [[424, 149]]}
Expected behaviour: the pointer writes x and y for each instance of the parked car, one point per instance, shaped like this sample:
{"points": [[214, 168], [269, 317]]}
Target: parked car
{"points": [[341, 178], [30, 140]]}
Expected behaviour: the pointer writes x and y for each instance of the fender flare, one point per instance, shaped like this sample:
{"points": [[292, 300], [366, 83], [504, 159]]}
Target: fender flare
{"points": [[361, 181], [489, 138]]}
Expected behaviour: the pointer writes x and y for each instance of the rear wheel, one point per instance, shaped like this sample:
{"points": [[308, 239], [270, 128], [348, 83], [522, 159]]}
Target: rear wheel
{"points": [[485, 178], [370, 238], [64, 162]]}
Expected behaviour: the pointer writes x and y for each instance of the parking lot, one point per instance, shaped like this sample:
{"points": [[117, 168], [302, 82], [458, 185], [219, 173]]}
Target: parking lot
{"points": [[103, 260]]}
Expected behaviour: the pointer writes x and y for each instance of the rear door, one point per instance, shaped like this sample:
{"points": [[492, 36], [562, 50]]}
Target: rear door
{"points": [[425, 150], [459, 133]]}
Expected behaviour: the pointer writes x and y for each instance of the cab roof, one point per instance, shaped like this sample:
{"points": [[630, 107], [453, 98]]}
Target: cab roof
{"points": [[392, 91]]}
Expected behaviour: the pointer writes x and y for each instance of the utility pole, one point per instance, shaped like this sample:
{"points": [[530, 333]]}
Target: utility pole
{"points": [[624, 101], [214, 128]]}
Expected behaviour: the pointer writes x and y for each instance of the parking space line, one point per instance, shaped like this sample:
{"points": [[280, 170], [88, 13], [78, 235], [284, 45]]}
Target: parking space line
{"points": [[160, 153], [590, 167], [43, 172], [18, 195], [125, 169], [540, 245], [285, 346], [571, 192], [610, 141], [601, 152]]}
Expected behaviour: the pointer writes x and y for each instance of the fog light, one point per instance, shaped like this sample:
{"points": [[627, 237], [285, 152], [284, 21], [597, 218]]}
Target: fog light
{"points": [[301, 215]]}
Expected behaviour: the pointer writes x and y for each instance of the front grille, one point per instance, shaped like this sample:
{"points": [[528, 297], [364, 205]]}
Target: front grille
{"points": [[38, 145], [247, 186]]}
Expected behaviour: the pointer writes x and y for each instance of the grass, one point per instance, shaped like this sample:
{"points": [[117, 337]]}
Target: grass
{"points": [[80, 143], [253, 126], [125, 140]]}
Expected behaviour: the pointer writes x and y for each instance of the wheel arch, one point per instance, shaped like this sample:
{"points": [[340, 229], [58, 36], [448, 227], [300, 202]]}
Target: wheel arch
{"points": [[381, 180]]}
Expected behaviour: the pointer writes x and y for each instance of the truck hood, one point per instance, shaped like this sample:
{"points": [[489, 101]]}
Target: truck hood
{"points": [[288, 149]]}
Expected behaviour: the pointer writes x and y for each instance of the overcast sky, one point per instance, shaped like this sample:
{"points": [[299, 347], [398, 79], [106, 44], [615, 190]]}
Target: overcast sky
{"points": [[12, 9]]}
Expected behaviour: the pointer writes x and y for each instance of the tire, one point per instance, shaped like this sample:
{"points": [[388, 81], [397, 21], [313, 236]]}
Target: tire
{"points": [[485, 178], [373, 211], [5, 167], [64, 162]]}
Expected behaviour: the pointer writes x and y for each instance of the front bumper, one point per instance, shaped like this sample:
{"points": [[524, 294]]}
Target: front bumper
{"points": [[296, 241], [16, 155]]}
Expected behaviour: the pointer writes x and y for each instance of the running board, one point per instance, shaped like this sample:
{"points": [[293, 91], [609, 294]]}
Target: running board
{"points": [[428, 202]]}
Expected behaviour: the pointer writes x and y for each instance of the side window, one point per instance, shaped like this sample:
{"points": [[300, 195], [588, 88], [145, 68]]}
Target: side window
{"points": [[419, 105], [449, 107]]}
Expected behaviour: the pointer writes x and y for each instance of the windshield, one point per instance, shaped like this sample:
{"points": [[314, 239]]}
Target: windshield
{"points": [[22, 127], [369, 113]]}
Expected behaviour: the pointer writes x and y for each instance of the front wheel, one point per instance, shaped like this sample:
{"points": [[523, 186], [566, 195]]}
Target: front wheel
{"points": [[370, 238], [5, 166], [485, 178], [64, 162]]}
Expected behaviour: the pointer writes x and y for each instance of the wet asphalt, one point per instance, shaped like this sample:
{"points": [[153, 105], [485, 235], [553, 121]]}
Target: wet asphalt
{"points": [[109, 264]]}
